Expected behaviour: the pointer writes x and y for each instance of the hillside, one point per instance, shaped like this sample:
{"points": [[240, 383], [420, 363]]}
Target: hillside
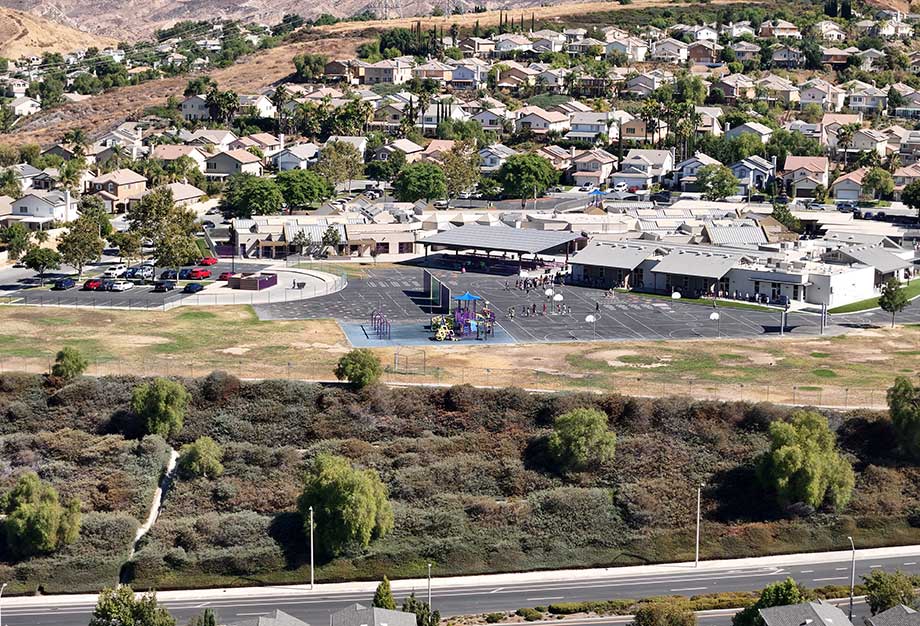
{"points": [[22, 34]]}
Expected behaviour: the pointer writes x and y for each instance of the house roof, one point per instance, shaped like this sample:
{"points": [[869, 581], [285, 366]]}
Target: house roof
{"points": [[754, 127], [855, 176], [810, 163], [122, 176], [359, 615], [170, 152], [476, 236], [895, 616], [700, 264], [744, 233], [615, 254], [242, 156], [875, 256], [280, 618]]}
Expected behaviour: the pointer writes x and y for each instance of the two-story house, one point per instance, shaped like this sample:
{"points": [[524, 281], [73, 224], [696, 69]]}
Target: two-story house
{"points": [[818, 91], [298, 157], [491, 158], [754, 173], [117, 188], [195, 108], [684, 174], [802, 174], [224, 164], [540, 121], [388, 71], [670, 50], [704, 51], [593, 167], [590, 126]]}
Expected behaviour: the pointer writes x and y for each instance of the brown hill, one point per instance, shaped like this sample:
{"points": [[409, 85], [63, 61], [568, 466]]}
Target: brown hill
{"points": [[22, 34]]}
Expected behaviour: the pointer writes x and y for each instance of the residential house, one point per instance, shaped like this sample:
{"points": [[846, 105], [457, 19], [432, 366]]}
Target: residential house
{"points": [[670, 50], [869, 59], [559, 157], [830, 31], [633, 48], [492, 157], [746, 51], [492, 119], [409, 148], [476, 47], [553, 80], [167, 153], [429, 119], [703, 32], [358, 142], [39, 209], [612, 33], [224, 164], [735, 87], [587, 46], [849, 185], [435, 70], [754, 173], [510, 43], [593, 167], [590, 126], [278, 618], [904, 176], [348, 71], [257, 105], [216, 139], [24, 106], [643, 168], [266, 143], [835, 57], [831, 123], [183, 194], [704, 51], [786, 56], [709, 121], [779, 29], [24, 174], [298, 157], [388, 71], [777, 90], [802, 174], [868, 99], [574, 34], [195, 108], [869, 140], [470, 73], [540, 121], [684, 175], [646, 83], [761, 131], [389, 116], [358, 615], [818, 91], [117, 188], [735, 30], [899, 615], [636, 130], [819, 613]]}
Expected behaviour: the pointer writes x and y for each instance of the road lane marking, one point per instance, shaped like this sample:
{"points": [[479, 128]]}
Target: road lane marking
{"points": [[807, 571], [840, 569], [690, 589], [496, 590], [248, 614], [874, 566], [818, 580], [548, 598], [911, 563]]}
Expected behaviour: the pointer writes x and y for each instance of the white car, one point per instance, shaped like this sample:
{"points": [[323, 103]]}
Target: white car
{"points": [[620, 187], [122, 285], [116, 271]]}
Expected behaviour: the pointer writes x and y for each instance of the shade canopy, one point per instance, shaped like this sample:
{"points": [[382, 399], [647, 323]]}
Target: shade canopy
{"points": [[467, 297]]}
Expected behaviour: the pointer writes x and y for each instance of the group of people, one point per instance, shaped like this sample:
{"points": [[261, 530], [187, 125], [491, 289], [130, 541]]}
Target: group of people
{"points": [[540, 282], [532, 310]]}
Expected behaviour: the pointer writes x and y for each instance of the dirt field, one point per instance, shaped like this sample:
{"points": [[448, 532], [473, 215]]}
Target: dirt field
{"points": [[23, 34], [854, 370]]}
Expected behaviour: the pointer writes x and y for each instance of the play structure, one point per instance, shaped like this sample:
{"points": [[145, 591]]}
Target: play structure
{"points": [[380, 325], [467, 321]]}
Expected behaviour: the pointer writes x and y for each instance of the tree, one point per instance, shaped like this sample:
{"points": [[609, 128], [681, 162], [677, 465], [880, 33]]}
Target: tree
{"points": [[423, 614], [41, 260], [35, 522], [581, 439], [171, 228], [81, 244], [461, 168], [92, 209], [877, 182], [664, 613], [128, 244], [246, 195], [119, 607], [894, 298], [420, 180], [526, 176], [17, 238], [784, 216], [388, 169], [331, 237], [339, 161], [804, 465], [886, 590], [904, 409], [383, 596], [310, 67], [351, 506], [161, 404], [301, 188], [68, 364], [207, 618], [202, 458], [781, 593], [716, 181], [198, 86], [360, 367]]}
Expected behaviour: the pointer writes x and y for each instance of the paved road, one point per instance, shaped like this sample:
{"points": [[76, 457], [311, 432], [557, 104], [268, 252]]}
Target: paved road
{"points": [[491, 593]]}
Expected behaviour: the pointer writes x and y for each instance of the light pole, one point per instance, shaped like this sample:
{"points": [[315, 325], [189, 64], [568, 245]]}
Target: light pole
{"points": [[311, 549], [429, 587], [591, 319], [2, 587], [852, 576], [714, 316], [699, 500]]}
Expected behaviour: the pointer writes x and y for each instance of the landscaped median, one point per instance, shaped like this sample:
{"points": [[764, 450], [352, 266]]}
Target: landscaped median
{"points": [[911, 290]]}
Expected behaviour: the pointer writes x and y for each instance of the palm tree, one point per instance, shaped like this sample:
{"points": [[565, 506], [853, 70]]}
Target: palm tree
{"points": [[845, 139], [229, 106], [78, 139], [279, 100], [71, 174]]}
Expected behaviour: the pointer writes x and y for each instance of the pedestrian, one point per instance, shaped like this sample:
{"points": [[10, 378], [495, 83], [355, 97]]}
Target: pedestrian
{"points": [[533, 308], [544, 308], [597, 307]]}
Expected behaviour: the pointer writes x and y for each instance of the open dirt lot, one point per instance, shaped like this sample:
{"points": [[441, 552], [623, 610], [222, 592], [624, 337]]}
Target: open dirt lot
{"points": [[845, 371]]}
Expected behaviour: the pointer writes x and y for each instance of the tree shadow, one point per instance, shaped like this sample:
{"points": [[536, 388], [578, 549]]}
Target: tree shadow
{"points": [[736, 492], [288, 532]]}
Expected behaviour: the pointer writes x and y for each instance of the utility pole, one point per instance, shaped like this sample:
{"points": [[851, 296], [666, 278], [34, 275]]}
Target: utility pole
{"points": [[699, 500], [429, 588], [852, 576], [311, 550], [2, 587]]}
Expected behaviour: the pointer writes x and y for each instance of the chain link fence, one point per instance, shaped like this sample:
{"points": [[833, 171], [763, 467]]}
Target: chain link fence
{"points": [[418, 370]]}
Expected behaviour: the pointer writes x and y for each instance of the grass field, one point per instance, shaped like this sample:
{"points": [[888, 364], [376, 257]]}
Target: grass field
{"points": [[851, 370], [912, 290]]}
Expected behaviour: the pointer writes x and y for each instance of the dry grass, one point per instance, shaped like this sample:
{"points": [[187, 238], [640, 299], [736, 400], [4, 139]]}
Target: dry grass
{"points": [[853, 370], [23, 34]]}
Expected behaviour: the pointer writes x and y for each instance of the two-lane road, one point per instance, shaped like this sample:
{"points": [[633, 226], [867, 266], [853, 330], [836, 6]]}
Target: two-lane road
{"points": [[505, 592]]}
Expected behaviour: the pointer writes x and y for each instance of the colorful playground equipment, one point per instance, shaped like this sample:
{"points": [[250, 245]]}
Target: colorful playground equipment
{"points": [[466, 322]]}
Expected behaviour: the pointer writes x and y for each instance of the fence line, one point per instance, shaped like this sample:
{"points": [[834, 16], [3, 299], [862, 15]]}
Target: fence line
{"points": [[421, 372]]}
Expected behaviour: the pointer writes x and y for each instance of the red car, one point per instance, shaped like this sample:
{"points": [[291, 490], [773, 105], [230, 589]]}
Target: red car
{"points": [[225, 275], [208, 260], [199, 273], [93, 284]]}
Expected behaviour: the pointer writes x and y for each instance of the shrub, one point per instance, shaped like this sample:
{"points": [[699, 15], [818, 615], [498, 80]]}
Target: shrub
{"points": [[580, 438], [161, 404], [664, 613], [350, 506], [905, 416], [360, 367], [776, 594], [202, 458], [530, 615], [219, 386], [119, 606], [885, 590], [494, 618], [68, 364], [35, 521], [383, 596]]}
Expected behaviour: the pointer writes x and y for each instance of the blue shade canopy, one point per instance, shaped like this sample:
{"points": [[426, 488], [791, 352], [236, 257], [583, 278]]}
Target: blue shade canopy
{"points": [[467, 297], [597, 192]]}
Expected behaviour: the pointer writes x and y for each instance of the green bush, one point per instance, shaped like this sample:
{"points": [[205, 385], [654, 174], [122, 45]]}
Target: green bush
{"points": [[885, 590], [360, 367], [581, 439], [529, 615], [494, 618], [35, 522], [201, 458], [161, 404], [68, 364], [664, 613]]}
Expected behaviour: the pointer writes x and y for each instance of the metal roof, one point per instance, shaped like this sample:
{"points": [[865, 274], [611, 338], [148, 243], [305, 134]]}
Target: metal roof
{"points": [[881, 259], [738, 235], [479, 237], [616, 255], [700, 264]]}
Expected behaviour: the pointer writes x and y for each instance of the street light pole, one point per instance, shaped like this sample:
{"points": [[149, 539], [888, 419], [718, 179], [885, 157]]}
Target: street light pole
{"points": [[429, 586], [852, 576], [2, 587], [311, 550], [699, 499]]}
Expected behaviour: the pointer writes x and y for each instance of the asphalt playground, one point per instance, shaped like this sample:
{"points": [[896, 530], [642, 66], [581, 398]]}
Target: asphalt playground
{"points": [[397, 294]]}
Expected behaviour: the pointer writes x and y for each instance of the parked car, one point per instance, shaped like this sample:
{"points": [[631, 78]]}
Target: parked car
{"points": [[225, 276], [164, 285], [116, 271], [620, 187], [121, 285], [208, 224], [193, 288], [440, 204], [143, 271], [93, 284], [587, 187], [106, 284], [168, 275], [555, 189], [64, 283], [199, 273], [185, 273], [208, 261]]}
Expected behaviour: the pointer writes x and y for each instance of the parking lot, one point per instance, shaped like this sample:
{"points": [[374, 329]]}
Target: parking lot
{"points": [[395, 292]]}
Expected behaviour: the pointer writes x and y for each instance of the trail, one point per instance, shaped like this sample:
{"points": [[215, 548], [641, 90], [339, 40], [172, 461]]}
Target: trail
{"points": [[157, 503]]}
